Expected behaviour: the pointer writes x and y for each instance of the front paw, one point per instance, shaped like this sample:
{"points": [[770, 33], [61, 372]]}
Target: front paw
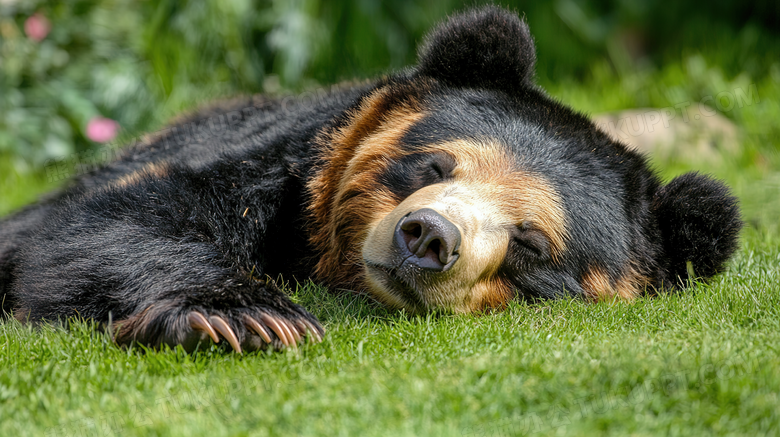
{"points": [[244, 328]]}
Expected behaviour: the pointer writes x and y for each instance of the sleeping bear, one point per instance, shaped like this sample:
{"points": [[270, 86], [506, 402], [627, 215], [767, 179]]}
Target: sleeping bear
{"points": [[457, 185]]}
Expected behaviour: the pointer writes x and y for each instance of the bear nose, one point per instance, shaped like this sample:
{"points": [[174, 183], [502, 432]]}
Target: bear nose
{"points": [[432, 240]]}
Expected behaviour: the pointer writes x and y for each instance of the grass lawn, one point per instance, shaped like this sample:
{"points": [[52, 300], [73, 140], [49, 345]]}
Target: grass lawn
{"points": [[703, 362]]}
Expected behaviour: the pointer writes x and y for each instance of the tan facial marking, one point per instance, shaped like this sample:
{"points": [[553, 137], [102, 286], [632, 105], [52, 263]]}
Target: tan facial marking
{"points": [[631, 284], [599, 287], [345, 193], [494, 293]]}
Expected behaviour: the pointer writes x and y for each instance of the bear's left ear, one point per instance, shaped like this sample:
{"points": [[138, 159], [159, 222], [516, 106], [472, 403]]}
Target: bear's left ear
{"points": [[481, 48], [699, 221]]}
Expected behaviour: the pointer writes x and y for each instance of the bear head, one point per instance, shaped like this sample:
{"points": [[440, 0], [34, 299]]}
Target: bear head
{"points": [[459, 185]]}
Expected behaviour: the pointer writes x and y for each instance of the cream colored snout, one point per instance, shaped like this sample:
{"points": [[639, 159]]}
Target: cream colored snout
{"points": [[484, 237]]}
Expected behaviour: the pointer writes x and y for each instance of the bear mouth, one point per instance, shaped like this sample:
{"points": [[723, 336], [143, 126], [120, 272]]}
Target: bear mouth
{"points": [[394, 283]]}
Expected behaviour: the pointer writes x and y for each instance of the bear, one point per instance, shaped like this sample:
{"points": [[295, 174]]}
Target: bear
{"points": [[454, 186]]}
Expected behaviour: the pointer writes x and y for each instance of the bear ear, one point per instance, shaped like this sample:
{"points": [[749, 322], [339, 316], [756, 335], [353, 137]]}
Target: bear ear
{"points": [[481, 48], [700, 222]]}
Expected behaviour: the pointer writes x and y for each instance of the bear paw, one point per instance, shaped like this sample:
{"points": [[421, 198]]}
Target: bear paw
{"points": [[243, 328]]}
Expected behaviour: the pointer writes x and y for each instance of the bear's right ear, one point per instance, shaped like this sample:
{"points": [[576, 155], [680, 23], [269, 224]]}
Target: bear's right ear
{"points": [[700, 222], [481, 48]]}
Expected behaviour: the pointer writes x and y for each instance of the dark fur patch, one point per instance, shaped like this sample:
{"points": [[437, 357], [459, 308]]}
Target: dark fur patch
{"points": [[700, 221], [482, 48]]}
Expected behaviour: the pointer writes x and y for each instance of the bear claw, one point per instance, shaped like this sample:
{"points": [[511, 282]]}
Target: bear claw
{"points": [[289, 333], [305, 325], [223, 328], [279, 327], [199, 322], [255, 326]]}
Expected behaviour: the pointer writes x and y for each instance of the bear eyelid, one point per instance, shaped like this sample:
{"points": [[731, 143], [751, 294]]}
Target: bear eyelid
{"points": [[532, 239], [437, 168], [443, 164]]}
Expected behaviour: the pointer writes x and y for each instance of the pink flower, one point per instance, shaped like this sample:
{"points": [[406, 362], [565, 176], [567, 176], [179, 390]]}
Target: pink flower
{"points": [[37, 27], [102, 130]]}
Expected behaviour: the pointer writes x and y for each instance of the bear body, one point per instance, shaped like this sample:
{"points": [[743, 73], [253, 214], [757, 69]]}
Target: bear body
{"points": [[457, 185]]}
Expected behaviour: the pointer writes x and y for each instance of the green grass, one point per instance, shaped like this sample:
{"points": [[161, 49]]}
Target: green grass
{"points": [[19, 187], [702, 362], [688, 364]]}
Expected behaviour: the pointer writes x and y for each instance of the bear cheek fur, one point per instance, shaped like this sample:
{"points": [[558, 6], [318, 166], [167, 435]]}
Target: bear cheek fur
{"points": [[345, 197]]}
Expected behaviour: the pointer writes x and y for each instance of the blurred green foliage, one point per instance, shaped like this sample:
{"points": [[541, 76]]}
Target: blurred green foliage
{"points": [[140, 62]]}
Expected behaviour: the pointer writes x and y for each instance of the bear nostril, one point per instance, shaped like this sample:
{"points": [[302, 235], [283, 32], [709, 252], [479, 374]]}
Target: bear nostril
{"points": [[435, 247], [415, 230], [430, 240], [411, 233]]}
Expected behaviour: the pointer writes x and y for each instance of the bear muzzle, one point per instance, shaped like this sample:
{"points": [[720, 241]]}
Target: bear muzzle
{"points": [[436, 250]]}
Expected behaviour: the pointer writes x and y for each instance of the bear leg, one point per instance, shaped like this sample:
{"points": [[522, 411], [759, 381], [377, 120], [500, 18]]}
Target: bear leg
{"points": [[165, 259]]}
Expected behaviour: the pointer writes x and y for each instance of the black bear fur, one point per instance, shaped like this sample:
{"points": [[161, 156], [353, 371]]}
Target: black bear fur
{"points": [[196, 225]]}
